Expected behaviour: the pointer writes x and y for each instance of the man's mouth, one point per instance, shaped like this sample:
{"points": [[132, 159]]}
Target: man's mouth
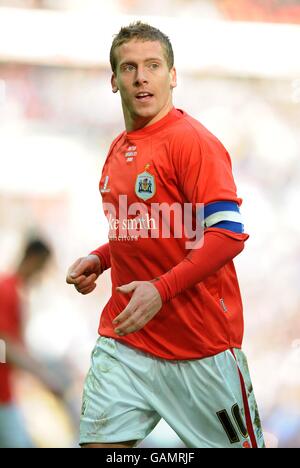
{"points": [[144, 96]]}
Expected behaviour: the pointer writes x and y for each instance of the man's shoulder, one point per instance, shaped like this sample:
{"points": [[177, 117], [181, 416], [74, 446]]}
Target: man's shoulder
{"points": [[190, 131], [8, 283], [117, 139], [6, 278], [113, 145]]}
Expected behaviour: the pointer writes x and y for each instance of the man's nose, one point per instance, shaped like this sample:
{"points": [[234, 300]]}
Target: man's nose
{"points": [[140, 77]]}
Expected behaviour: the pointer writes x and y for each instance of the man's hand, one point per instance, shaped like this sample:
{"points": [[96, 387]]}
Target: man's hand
{"points": [[143, 306], [83, 273]]}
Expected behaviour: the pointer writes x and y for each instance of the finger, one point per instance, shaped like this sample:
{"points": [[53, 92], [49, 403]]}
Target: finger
{"points": [[84, 282], [131, 321], [127, 288], [80, 268], [78, 281], [72, 269], [127, 312], [137, 321], [132, 324], [87, 290], [71, 280]]}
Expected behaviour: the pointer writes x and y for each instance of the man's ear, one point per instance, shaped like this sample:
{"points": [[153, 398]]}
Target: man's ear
{"points": [[173, 78], [114, 85]]}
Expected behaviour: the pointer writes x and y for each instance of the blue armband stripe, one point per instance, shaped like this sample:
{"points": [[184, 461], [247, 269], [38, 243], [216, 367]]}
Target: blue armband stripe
{"points": [[230, 226], [215, 207]]}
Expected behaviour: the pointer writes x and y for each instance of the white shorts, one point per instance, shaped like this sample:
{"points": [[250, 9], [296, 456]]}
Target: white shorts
{"points": [[209, 402]]}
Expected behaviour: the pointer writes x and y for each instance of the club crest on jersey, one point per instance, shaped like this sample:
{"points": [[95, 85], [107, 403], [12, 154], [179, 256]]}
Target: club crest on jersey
{"points": [[145, 186]]}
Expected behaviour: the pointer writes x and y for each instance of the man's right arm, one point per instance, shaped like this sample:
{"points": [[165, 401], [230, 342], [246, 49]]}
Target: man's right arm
{"points": [[103, 253], [19, 357], [15, 352]]}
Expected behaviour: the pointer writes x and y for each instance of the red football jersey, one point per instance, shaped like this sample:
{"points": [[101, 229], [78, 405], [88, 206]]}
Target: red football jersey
{"points": [[175, 160], [10, 326]]}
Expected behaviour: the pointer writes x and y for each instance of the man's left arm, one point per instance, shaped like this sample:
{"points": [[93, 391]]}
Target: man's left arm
{"points": [[149, 297]]}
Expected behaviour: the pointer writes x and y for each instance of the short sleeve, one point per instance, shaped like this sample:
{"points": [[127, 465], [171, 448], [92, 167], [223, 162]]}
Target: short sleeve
{"points": [[204, 172]]}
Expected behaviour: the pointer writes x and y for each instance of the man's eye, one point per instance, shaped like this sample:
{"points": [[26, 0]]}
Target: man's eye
{"points": [[153, 66], [128, 68]]}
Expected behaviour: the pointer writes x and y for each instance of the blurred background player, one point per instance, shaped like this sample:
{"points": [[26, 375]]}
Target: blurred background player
{"points": [[176, 343], [13, 433]]}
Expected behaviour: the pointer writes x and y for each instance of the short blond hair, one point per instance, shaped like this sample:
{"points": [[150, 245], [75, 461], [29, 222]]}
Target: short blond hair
{"points": [[142, 32]]}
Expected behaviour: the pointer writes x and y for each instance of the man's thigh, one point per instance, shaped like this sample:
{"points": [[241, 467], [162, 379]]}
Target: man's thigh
{"points": [[113, 412], [205, 403]]}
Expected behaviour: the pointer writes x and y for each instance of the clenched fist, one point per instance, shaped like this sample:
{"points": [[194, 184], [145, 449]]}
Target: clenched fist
{"points": [[83, 274]]}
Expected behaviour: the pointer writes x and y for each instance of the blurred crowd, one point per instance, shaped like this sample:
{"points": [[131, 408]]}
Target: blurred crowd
{"points": [[56, 124], [284, 11]]}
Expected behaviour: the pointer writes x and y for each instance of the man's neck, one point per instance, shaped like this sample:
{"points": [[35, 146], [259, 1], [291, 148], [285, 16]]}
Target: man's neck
{"points": [[136, 123]]}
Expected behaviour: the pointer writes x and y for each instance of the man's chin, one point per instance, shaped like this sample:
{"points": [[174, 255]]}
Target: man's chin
{"points": [[144, 116], [145, 113]]}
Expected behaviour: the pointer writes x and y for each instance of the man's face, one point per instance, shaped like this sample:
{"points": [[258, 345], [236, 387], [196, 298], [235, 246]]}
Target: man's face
{"points": [[144, 81]]}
